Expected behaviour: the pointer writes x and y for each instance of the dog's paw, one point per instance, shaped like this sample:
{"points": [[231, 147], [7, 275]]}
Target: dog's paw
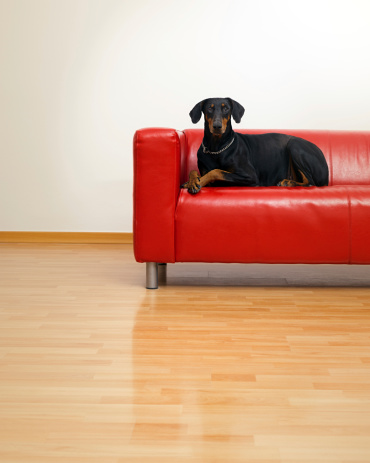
{"points": [[286, 182], [194, 189], [194, 186]]}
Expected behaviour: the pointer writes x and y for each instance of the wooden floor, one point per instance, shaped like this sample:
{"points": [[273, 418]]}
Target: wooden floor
{"points": [[224, 363]]}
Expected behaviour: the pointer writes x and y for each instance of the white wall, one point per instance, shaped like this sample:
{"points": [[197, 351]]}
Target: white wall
{"points": [[78, 77]]}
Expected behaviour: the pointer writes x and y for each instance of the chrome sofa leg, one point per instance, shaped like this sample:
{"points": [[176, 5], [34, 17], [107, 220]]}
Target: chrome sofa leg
{"points": [[151, 275]]}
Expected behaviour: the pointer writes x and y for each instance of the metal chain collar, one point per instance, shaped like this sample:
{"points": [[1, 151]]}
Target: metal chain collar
{"points": [[217, 152]]}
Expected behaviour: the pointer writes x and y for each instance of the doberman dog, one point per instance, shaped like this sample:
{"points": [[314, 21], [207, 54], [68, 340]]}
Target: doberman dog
{"points": [[229, 158]]}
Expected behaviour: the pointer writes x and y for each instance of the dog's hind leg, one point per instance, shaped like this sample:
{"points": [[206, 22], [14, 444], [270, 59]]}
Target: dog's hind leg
{"points": [[308, 164], [290, 182]]}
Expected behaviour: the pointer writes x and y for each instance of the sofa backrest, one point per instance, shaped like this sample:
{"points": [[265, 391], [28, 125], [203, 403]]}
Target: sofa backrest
{"points": [[347, 152]]}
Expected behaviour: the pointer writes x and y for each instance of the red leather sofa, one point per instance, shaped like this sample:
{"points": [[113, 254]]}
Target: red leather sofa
{"points": [[249, 224]]}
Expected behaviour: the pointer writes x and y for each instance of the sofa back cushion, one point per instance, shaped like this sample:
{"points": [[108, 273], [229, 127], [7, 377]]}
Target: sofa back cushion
{"points": [[347, 152]]}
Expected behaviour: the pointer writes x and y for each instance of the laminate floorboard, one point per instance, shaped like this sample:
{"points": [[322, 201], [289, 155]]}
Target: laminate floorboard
{"points": [[223, 363]]}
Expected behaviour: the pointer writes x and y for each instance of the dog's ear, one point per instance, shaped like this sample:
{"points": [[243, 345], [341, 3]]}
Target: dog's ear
{"points": [[238, 110], [196, 113]]}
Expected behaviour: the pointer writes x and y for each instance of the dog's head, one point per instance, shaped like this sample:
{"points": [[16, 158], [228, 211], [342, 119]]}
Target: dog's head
{"points": [[217, 113]]}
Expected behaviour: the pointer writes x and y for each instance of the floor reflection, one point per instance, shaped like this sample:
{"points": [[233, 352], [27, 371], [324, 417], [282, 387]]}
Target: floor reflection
{"points": [[193, 382]]}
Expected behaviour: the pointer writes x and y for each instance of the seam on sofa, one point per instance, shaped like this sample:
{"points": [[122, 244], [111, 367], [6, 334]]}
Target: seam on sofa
{"points": [[177, 187], [185, 166], [183, 145], [175, 224], [349, 227]]}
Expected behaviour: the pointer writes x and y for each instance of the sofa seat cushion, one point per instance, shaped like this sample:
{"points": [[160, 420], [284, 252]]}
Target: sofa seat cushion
{"points": [[273, 225]]}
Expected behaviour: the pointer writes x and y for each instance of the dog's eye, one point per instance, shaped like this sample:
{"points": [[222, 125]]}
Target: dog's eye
{"points": [[225, 109], [210, 109]]}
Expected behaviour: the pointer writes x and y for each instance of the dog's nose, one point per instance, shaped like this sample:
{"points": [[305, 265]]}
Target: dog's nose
{"points": [[217, 124]]}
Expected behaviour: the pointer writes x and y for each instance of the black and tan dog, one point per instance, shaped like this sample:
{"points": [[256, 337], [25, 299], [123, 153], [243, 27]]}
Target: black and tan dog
{"points": [[229, 158]]}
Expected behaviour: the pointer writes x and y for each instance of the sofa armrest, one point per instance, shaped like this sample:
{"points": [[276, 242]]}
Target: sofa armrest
{"points": [[157, 158]]}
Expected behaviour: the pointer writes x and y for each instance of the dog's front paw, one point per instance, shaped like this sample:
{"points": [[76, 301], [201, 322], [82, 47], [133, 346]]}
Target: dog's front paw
{"points": [[194, 186], [194, 190]]}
